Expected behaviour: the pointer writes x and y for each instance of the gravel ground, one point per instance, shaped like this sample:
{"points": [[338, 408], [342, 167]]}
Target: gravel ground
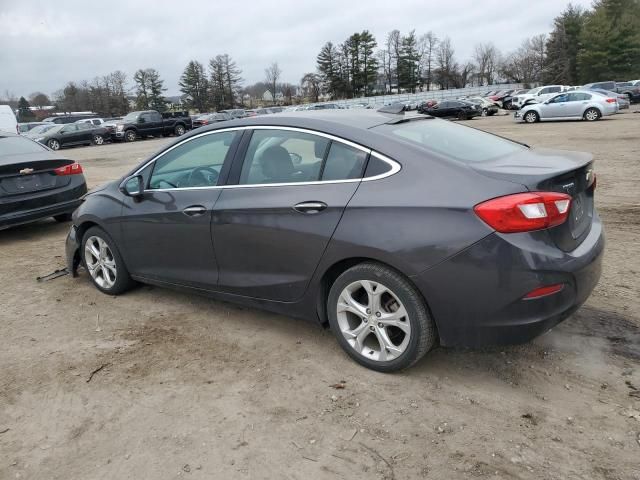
{"points": [[158, 384]]}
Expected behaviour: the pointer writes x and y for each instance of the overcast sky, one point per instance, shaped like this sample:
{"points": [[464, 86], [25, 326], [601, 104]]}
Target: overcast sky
{"points": [[44, 44]]}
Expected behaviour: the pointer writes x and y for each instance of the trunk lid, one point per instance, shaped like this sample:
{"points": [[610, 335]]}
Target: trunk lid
{"points": [[29, 173], [552, 171]]}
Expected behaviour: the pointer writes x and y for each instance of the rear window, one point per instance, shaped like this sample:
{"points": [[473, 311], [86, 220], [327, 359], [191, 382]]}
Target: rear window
{"points": [[18, 146], [451, 140]]}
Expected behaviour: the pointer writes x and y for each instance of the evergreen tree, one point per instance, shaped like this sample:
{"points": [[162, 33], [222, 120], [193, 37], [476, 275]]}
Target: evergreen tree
{"points": [[610, 41], [408, 61], [562, 47], [24, 112], [328, 62], [368, 62], [149, 88], [193, 83]]}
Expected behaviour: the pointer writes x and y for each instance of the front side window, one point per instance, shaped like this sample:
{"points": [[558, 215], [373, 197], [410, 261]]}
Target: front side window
{"points": [[195, 163], [72, 127], [560, 98], [283, 156]]}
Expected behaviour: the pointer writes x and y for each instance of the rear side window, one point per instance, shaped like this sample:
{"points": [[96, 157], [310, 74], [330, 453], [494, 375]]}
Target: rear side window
{"points": [[343, 162], [282, 156], [451, 140], [18, 146]]}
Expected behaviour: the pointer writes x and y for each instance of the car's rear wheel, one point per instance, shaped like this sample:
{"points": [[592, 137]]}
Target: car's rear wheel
{"points": [[531, 117], [379, 318], [179, 130], [63, 217], [98, 140], [592, 114], [53, 144], [485, 112], [130, 136], [102, 260]]}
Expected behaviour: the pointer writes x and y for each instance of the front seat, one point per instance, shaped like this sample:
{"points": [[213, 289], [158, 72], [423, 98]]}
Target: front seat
{"points": [[277, 166]]}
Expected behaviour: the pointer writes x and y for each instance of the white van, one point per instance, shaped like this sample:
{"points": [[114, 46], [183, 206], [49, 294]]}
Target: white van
{"points": [[8, 122]]}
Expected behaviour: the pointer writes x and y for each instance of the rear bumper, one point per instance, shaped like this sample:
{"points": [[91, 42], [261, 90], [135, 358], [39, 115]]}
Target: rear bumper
{"points": [[45, 204], [476, 297]]}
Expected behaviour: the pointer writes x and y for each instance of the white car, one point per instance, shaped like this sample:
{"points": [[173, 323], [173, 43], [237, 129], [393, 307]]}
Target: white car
{"points": [[8, 121], [574, 105], [91, 121], [539, 94]]}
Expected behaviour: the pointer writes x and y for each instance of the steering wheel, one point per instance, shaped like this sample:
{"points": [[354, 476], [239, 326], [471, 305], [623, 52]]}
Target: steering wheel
{"points": [[295, 158], [206, 180]]}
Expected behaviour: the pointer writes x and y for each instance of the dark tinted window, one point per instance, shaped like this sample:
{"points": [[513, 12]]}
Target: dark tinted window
{"points": [[343, 162], [18, 146], [450, 139], [553, 90], [72, 127], [560, 98], [375, 167], [283, 156], [155, 117], [445, 104]]}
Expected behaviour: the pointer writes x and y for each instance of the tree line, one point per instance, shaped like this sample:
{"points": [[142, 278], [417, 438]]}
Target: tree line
{"points": [[584, 45]]}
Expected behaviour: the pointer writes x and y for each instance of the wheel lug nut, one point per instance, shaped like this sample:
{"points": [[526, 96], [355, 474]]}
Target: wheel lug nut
{"points": [[372, 328], [378, 314], [379, 325], [368, 311]]}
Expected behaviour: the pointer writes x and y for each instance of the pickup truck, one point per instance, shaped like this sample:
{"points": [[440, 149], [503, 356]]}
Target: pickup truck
{"points": [[625, 88], [151, 123]]}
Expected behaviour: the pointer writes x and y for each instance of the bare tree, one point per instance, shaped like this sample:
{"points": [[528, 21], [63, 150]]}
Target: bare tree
{"points": [[427, 48], [272, 75], [526, 64], [486, 58], [311, 83], [447, 67]]}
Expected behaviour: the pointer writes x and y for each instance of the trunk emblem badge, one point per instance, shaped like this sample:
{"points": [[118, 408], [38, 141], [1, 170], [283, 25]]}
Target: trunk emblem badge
{"points": [[26, 171]]}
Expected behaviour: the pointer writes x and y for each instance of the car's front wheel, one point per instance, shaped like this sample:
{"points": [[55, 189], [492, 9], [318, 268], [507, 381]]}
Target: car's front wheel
{"points": [[531, 117], [130, 136], [379, 317], [102, 260], [53, 144], [179, 130]]}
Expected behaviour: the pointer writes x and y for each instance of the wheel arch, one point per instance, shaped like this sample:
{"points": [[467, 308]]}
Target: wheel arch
{"points": [[338, 268]]}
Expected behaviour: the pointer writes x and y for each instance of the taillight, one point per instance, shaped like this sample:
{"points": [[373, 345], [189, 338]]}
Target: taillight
{"points": [[611, 100], [544, 291], [524, 212], [71, 169]]}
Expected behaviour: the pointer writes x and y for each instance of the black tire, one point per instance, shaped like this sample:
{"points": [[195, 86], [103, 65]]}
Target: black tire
{"points": [[485, 112], [179, 130], [531, 117], [63, 217], [592, 114], [423, 335], [130, 136], [462, 116], [98, 140], [54, 144], [123, 281]]}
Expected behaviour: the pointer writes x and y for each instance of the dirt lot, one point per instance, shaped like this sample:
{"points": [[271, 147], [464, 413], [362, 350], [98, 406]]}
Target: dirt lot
{"points": [[189, 387]]}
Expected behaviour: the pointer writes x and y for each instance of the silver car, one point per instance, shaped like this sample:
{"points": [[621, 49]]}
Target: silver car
{"points": [[574, 105]]}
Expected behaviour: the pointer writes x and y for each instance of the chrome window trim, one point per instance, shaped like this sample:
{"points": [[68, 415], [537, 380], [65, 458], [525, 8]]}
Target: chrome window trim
{"points": [[395, 166]]}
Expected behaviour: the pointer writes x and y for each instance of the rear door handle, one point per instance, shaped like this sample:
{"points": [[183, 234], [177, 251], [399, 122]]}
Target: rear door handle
{"points": [[194, 211], [310, 207]]}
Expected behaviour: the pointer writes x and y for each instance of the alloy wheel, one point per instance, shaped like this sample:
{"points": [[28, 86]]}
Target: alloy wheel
{"points": [[131, 136], [98, 140], [179, 130], [530, 117], [591, 115], [100, 262], [54, 145], [373, 320]]}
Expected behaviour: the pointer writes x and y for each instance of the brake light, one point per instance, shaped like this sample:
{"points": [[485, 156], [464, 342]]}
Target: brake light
{"points": [[544, 291], [71, 169], [525, 212], [611, 100]]}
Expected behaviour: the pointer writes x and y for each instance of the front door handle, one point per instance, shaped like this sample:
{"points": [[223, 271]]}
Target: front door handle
{"points": [[310, 207], [194, 211]]}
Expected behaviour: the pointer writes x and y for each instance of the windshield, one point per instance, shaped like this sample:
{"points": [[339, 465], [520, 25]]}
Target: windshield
{"points": [[451, 140], [18, 146], [131, 117], [41, 129]]}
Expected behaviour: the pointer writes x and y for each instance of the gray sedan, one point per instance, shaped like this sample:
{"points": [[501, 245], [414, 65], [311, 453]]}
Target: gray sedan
{"points": [[397, 232], [574, 105]]}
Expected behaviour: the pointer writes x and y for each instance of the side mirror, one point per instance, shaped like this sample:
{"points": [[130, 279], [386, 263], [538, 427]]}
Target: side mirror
{"points": [[132, 186]]}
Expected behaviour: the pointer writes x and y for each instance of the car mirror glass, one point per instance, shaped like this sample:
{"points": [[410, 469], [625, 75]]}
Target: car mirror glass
{"points": [[132, 186]]}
